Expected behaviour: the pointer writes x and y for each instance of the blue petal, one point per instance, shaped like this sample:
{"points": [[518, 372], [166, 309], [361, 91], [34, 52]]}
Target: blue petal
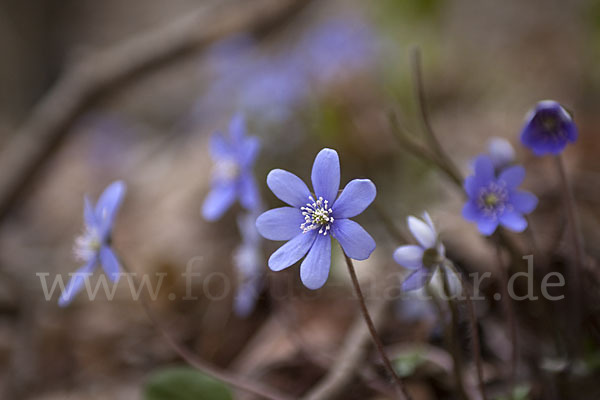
{"points": [[89, 214], [523, 202], [326, 174], [484, 169], [280, 223], [249, 151], [472, 186], [288, 187], [513, 221], [220, 147], [292, 251], [237, 127], [487, 226], [249, 196], [512, 176], [355, 241], [108, 205], [220, 198], [416, 280], [409, 256], [76, 283], [471, 212], [355, 198], [314, 270], [110, 263]]}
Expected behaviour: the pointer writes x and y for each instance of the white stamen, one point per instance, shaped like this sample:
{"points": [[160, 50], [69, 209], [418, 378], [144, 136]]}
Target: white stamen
{"points": [[317, 215]]}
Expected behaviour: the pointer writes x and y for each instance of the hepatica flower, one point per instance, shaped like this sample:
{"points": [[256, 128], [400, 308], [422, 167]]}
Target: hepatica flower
{"points": [[495, 200], [313, 218], [423, 259], [548, 129], [232, 178], [501, 152], [93, 246], [249, 262]]}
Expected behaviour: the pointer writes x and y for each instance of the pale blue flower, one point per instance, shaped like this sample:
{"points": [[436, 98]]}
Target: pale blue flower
{"points": [[232, 178], [501, 153], [249, 262], [313, 218], [93, 246]]}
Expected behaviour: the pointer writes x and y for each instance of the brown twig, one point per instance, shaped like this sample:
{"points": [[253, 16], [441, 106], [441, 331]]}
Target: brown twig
{"points": [[373, 331], [50, 119]]}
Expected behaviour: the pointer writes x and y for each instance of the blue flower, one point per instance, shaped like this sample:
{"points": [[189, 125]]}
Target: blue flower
{"points": [[232, 178], [93, 246], [249, 261], [495, 200], [548, 129], [424, 258], [313, 218], [501, 152]]}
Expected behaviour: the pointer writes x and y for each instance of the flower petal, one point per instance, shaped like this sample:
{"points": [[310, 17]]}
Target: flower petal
{"points": [[523, 202], [292, 251], [76, 283], [108, 204], [512, 176], [89, 214], [220, 147], [249, 151], [409, 256], [237, 127], [487, 226], [471, 186], [422, 232], [288, 187], [416, 280], [314, 270], [484, 169], [325, 174], [513, 221], [280, 223], [248, 192], [220, 198], [355, 198], [427, 218], [355, 241], [471, 211], [110, 263]]}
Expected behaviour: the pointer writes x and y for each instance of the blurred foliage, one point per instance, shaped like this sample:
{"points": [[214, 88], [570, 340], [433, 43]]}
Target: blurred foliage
{"points": [[407, 364], [184, 384]]}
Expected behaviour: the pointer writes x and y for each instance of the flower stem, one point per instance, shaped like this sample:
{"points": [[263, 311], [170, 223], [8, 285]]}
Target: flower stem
{"points": [[195, 362], [510, 315], [453, 338], [373, 331]]}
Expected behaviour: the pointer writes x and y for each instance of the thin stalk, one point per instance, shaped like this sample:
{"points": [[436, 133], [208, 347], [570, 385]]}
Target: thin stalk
{"points": [[195, 362], [453, 338], [429, 133], [510, 315], [579, 253], [373, 331]]}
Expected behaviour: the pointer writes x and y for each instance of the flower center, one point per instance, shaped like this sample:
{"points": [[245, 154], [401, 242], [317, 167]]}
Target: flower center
{"points": [[493, 199], [87, 245], [317, 214], [431, 258], [226, 169], [551, 127]]}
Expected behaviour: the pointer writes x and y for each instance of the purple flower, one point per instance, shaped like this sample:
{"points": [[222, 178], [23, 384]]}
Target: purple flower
{"points": [[249, 262], [93, 246], [496, 200], [310, 220], [548, 129], [501, 152], [232, 178], [424, 258]]}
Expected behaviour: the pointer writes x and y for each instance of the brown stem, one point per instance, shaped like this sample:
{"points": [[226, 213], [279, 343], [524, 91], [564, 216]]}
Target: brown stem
{"points": [[510, 315], [373, 331], [190, 358], [453, 338]]}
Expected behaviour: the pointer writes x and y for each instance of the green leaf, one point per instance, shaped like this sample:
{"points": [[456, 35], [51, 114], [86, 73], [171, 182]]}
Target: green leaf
{"points": [[183, 383], [406, 364]]}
